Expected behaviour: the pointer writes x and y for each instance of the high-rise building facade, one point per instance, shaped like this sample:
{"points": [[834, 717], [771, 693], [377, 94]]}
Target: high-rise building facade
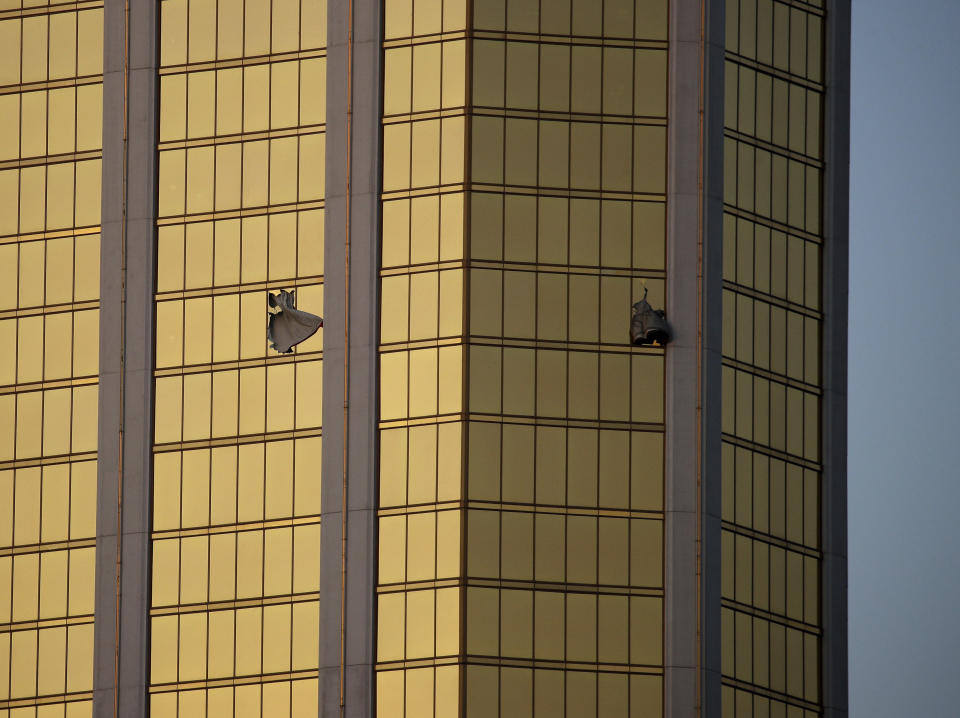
{"points": [[51, 99], [468, 494]]}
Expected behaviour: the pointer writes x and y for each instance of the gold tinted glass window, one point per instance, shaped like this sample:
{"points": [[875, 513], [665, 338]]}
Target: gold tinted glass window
{"points": [[422, 348], [772, 239], [521, 475], [237, 445], [50, 151]]}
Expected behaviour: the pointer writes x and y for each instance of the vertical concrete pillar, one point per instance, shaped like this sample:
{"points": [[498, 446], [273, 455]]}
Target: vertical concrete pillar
{"points": [[351, 331], [694, 256], [121, 629], [835, 279]]}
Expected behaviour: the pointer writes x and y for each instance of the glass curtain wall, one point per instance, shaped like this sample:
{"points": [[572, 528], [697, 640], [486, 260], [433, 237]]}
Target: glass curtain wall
{"points": [[772, 317], [521, 459], [51, 64], [422, 359], [236, 519]]}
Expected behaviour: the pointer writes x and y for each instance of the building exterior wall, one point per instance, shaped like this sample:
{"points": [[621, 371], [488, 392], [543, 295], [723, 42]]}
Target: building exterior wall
{"points": [[521, 437], [51, 64], [772, 381], [565, 461], [237, 446], [422, 359], [523, 515]]}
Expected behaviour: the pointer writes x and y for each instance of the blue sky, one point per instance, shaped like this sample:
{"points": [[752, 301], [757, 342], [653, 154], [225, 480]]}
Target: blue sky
{"points": [[904, 460]]}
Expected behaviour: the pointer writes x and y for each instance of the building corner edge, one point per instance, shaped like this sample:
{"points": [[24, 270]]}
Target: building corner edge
{"points": [[835, 272], [694, 263]]}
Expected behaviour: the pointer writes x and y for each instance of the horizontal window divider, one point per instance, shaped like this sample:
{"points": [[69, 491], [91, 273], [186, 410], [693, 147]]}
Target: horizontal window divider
{"points": [[566, 510], [236, 440], [771, 223], [772, 540], [426, 267], [503, 189], [566, 39], [553, 509], [814, 8], [52, 234], [409, 586], [510, 584], [426, 508], [240, 212], [514, 113], [255, 679], [431, 191], [776, 72], [634, 273], [51, 9], [477, 660], [241, 364], [231, 289], [438, 113], [77, 81], [456, 340], [46, 547], [590, 347], [771, 299], [767, 693], [565, 587], [771, 452], [449, 660], [51, 159], [632, 668], [282, 600], [808, 160], [539, 267], [48, 460], [242, 61], [772, 376], [426, 39], [235, 528], [594, 118], [61, 622], [46, 700], [422, 421], [46, 309], [566, 422], [734, 59], [241, 137], [46, 385], [564, 192]]}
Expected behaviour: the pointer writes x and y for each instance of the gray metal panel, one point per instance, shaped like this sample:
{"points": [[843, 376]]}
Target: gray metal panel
{"points": [[354, 419], [126, 361], [681, 637], [836, 208], [712, 351], [694, 235]]}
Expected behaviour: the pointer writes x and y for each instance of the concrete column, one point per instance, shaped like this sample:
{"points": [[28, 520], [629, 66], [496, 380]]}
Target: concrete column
{"points": [[694, 255], [347, 599], [836, 209], [121, 629]]}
